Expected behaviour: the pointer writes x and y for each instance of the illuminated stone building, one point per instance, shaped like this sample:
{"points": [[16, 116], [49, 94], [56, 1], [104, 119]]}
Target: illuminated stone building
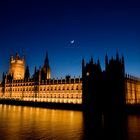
{"points": [[17, 67], [19, 85], [132, 90], [41, 87]]}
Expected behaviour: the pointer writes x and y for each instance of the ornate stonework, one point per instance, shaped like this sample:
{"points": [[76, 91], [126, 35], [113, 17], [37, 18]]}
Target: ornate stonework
{"points": [[17, 67], [42, 88]]}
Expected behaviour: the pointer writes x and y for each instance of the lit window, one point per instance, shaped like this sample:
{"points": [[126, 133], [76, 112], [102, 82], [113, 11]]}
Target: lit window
{"points": [[72, 88], [87, 74]]}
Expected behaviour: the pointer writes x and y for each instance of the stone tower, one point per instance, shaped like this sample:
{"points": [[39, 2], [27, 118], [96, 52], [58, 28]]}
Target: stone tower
{"points": [[103, 98], [17, 67]]}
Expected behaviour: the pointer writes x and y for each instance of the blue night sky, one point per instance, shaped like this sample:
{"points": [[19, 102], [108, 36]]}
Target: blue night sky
{"points": [[96, 26]]}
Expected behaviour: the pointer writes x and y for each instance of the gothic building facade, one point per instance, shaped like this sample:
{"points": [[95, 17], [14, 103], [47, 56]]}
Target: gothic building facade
{"points": [[17, 83], [104, 99]]}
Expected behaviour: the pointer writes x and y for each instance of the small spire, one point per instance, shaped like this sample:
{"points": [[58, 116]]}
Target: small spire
{"points": [[123, 65], [3, 77], [11, 57], [106, 56], [35, 70], [46, 60], [106, 61], [83, 62], [117, 56], [122, 59], [17, 56], [98, 64], [91, 61], [83, 66], [27, 72]]}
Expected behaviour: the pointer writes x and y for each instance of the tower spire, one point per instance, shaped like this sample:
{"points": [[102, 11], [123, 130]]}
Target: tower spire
{"points": [[106, 61], [46, 60], [46, 72], [27, 73], [117, 56], [98, 64]]}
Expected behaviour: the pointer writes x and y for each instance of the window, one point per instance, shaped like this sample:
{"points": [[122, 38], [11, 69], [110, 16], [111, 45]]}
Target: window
{"points": [[87, 73], [72, 88]]}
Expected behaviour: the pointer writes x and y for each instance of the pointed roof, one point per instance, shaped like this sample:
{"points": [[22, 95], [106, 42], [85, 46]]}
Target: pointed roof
{"points": [[17, 56], [98, 64], [106, 56], [117, 56], [91, 61], [83, 62], [46, 59]]}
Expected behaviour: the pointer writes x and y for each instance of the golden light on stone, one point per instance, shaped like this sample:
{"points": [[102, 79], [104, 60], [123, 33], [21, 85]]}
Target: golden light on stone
{"points": [[17, 67], [54, 90]]}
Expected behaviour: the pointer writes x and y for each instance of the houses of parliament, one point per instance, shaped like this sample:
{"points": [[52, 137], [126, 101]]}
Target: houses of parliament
{"points": [[17, 84]]}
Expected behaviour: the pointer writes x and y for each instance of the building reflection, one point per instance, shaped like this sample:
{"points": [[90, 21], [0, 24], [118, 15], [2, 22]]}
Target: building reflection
{"points": [[18, 122]]}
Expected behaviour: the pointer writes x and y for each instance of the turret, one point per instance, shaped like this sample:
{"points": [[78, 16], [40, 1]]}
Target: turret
{"points": [[98, 64], [46, 62], [83, 66], [35, 70], [117, 56], [17, 67], [27, 72], [46, 71], [3, 78], [123, 65], [91, 61], [106, 61]]}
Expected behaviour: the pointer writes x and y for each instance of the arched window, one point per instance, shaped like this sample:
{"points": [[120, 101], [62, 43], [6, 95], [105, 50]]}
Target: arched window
{"points": [[59, 88], [72, 88]]}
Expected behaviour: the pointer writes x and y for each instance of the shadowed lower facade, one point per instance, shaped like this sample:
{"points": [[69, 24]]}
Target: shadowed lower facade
{"points": [[18, 85]]}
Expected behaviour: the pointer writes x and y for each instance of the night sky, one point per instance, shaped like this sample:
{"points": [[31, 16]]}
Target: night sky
{"points": [[34, 27]]}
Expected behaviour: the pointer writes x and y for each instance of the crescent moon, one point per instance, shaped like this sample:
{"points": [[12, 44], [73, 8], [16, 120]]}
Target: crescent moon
{"points": [[72, 41]]}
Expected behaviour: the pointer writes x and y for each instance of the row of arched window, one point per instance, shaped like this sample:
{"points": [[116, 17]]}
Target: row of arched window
{"points": [[46, 89], [49, 96], [62, 88]]}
